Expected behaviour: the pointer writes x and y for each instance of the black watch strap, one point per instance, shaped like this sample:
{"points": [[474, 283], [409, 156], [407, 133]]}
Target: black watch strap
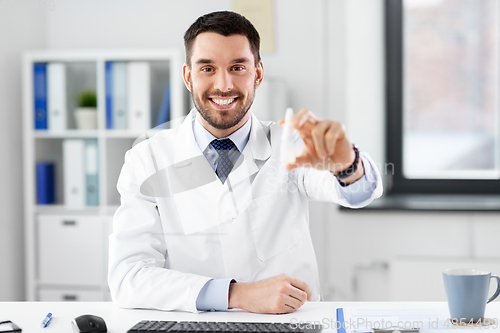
{"points": [[352, 168]]}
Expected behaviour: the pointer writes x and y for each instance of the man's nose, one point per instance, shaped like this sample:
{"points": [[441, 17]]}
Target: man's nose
{"points": [[223, 81]]}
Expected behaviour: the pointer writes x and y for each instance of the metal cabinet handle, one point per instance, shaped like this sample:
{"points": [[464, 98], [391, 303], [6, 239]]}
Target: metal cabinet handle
{"points": [[70, 297]]}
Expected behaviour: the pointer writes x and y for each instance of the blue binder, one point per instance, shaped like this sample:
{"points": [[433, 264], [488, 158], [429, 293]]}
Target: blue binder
{"points": [[45, 183], [109, 95], [40, 95], [340, 320], [164, 114]]}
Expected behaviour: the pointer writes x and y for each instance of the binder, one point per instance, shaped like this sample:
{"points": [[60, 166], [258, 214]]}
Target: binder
{"points": [[74, 180], [139, 99], [164, 114], [56, 93], [340, 320], [40, 95], [45, 183], [91, 173], [119, 103], [109, 95]]}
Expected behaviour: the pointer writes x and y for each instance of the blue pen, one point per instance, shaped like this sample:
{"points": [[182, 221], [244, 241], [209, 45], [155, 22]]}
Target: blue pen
{"points": [[46, 320]]}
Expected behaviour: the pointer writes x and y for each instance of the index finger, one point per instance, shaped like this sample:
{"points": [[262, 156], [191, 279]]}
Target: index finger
{"points": [[303, 116], [302, 286]]}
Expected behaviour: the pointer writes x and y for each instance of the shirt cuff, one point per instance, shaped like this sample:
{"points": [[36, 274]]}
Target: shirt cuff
{"points": [[362, 189], [214, 296]]}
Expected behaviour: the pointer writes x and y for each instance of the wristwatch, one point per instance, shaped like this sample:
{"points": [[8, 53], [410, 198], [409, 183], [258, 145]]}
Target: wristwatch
{"points": [[352, 168]]}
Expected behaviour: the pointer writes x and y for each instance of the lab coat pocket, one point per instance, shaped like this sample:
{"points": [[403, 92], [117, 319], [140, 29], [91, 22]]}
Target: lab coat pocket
{"points": [[274, 225]]}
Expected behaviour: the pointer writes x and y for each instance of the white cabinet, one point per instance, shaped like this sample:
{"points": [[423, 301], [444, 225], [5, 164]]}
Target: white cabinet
{"points": [[67, 245], [70, 250]]}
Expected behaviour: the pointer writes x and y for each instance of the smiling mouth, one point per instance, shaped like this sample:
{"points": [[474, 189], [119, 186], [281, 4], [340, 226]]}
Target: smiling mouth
{"points": [[223, 102]]}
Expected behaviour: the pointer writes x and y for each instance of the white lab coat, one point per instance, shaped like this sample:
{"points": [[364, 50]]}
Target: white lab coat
{"points": [[178, 226]]}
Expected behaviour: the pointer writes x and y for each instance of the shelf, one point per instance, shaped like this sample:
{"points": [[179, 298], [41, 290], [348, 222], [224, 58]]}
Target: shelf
{"points": [[122, 134], [84, 69], [103, 55], [433, 202], [70, 134], [42, 134], [64, 210]]}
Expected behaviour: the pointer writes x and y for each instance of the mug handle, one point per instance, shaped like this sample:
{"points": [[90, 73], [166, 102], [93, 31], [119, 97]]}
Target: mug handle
{"points": [[497, 292]]}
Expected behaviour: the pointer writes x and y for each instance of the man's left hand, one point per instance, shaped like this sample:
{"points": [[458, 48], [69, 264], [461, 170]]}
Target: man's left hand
{"points": [[326, 146]]}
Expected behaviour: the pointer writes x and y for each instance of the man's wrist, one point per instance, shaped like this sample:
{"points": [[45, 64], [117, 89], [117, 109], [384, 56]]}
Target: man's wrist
{"points": [[346, 172], [352, 172], [234, 296], [358, 174]]}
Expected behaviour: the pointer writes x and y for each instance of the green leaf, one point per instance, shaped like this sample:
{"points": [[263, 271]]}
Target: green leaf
{"points": [[87, 99]]}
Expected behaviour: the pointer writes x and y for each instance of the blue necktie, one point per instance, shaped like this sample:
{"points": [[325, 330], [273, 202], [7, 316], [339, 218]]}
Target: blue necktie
{"points": [[224, 164]]}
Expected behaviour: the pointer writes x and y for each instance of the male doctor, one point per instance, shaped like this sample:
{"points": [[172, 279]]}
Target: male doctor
{"points": [[209, 217]]}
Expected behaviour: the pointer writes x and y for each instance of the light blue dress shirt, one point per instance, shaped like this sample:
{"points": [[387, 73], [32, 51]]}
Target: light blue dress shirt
{"points": [[214, 294], [204, 137]]}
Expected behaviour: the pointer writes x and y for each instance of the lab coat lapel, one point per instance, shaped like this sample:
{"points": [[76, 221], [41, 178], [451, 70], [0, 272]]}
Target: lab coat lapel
{"points": [[191, 165], [184, 146], [239, 186], [258, 148], [259, 141], [202, 200], [194, 184]]}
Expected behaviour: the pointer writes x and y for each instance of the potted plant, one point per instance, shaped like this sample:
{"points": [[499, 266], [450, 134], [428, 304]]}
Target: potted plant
{"points": [[86, 113]]}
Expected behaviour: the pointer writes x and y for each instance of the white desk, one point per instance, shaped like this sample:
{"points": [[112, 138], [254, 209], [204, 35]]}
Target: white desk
{"points": [[29, 315]]}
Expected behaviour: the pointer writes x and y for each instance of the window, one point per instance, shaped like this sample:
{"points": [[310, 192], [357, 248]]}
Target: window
{"points": [[443, 89]]}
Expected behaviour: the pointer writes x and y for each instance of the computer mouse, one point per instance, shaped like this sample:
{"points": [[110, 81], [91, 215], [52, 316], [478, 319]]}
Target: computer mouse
{"points": [[89, 324]]}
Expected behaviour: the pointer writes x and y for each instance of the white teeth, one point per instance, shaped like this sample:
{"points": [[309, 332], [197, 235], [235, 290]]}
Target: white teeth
{"points": [[223, 101]]}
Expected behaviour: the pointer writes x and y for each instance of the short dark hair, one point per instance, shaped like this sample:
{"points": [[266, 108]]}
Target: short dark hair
{"points": [[225, 23]]}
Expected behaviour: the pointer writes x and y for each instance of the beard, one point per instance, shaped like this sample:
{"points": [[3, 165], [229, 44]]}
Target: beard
{"points": [[222, 120]]}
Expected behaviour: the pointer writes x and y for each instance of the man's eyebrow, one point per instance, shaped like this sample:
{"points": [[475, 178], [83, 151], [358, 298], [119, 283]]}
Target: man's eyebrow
{"points": [[237, 60], [204, 61]]}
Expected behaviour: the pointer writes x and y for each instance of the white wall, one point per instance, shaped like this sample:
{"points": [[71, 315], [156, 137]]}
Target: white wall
{"points": [[299, 55], [22, 26], [329, 52], [365, 77]]}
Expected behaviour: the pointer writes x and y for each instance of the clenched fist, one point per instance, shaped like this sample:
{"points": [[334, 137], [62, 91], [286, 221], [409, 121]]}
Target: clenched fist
{"points": [[277, 294]]}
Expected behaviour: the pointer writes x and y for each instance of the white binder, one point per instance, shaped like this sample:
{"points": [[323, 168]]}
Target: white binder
{"points": [[56, 97], [120, 95], [139, 97], [74, 174]]}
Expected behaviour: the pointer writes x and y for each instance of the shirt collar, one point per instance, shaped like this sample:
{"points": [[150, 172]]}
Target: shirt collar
{"points": [[204, 137]]}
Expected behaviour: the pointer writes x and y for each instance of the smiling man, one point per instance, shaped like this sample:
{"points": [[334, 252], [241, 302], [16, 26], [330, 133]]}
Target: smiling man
{"points": [[209, 217]]}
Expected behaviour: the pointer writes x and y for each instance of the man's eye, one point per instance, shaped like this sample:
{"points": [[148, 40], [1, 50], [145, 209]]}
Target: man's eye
{"points": [[237, 68], [206, 69]]}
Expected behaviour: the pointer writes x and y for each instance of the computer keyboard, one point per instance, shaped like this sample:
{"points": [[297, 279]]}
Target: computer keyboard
{"points": [[219, 327]]}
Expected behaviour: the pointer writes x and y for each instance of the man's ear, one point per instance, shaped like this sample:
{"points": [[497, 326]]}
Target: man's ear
{"points": [[259, 74], [186, 75]]}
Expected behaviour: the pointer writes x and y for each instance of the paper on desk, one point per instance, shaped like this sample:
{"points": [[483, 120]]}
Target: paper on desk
{"points": [[364, 319]]}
